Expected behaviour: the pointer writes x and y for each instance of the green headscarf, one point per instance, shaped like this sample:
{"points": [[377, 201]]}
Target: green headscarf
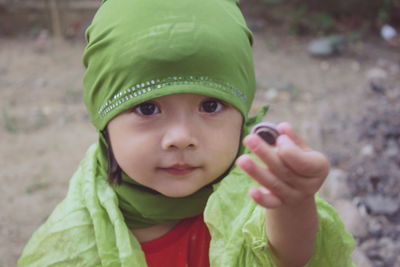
{"points": [[142, 49]]}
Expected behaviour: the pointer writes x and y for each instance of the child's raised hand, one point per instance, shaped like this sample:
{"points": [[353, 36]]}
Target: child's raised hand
{"points": [[295, 172]]}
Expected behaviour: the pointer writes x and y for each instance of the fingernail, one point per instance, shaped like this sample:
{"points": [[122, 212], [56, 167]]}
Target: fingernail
{"points": [[252, 143], [264, 191], [240, 160], [244, 162]]}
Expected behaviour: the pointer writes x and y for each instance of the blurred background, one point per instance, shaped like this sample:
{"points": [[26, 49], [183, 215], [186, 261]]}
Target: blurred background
{"points": [[331, 68]]}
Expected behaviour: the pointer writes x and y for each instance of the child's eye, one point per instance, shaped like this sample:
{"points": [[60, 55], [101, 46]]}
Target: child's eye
{"points": [[211, 106], [146, 109]]}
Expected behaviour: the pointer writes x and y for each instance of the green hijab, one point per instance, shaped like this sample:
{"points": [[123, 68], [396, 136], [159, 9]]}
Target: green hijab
{"points": [[138, 50]]}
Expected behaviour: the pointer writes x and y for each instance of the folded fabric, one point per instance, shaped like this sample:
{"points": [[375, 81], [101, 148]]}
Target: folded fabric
{"points": [[88, 229]]}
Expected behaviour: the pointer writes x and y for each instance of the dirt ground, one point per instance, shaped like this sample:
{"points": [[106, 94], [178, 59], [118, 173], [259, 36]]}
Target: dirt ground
{"points": [[45, 130]]}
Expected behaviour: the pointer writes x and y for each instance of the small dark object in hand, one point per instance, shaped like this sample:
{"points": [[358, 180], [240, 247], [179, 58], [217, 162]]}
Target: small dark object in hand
{"points": [[267, 131]]}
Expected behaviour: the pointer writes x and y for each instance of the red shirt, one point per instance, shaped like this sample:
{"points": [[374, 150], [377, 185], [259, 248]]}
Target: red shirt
{"points": [[186, 245]]}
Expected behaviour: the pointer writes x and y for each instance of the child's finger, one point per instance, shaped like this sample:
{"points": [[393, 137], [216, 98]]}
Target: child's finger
{"points": [[285, 128], [264, 177], [265, 198], [269, 156], [304, 163]]}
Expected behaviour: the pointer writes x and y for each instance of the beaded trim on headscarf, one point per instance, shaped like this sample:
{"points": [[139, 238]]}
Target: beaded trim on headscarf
{"points": [[148, 86]]}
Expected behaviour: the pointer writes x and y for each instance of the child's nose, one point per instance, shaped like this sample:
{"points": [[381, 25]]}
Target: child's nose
{"points": [[179, 135]]}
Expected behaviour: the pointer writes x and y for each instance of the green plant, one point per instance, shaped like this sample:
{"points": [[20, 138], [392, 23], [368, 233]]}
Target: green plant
{"points": [[324, 17], [303, 19], [10, 123], [384, 13], [296, 18], [40, 185], [321, 21], [359, 33]]}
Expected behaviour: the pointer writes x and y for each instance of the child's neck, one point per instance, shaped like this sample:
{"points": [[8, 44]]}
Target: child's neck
{"points": [[152, 232]]}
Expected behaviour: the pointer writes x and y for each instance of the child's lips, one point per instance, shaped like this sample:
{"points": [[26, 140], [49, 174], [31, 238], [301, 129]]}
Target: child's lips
{"points": [[179, 169]]}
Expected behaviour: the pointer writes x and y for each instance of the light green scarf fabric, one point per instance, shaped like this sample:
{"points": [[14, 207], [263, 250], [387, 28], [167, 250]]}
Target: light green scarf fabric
{"points": [[87, 229], [139, 50]]}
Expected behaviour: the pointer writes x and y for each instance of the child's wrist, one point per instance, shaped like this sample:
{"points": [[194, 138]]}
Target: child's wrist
{"points": [[303, 204]]}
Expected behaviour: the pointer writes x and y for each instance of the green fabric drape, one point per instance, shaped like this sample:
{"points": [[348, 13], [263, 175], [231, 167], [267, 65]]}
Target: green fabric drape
{"points": [[138, 50]]}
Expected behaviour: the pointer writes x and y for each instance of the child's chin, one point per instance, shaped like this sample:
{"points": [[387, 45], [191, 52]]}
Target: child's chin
{"points": [[177, 193]]}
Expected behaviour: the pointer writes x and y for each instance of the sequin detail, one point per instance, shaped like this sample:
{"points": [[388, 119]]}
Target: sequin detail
{"points": [[148, 86]]}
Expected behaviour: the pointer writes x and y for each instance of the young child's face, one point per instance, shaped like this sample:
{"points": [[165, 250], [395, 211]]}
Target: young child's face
{"points": [[176, 144]]}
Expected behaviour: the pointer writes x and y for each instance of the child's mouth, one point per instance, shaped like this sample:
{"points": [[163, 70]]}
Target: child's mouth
{"points": [[179, 169]]}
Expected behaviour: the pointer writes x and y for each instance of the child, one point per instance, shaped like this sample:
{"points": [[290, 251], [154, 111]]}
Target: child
{"points": [[168, 85]]}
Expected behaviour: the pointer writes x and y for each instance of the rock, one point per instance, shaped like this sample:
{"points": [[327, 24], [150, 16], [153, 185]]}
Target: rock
{"points": [[362, 209], [379, 204], [320, 47], [371, 249], [376, 74], [326, 46], [271, 94], [352, 219], [388, 32], [369, 245], [382, 252], [375, 226], [391, 66], [392, 150], [367, 150], [335, 186], [377, 260], [387, 249], [360, 259], [377, 87]]}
